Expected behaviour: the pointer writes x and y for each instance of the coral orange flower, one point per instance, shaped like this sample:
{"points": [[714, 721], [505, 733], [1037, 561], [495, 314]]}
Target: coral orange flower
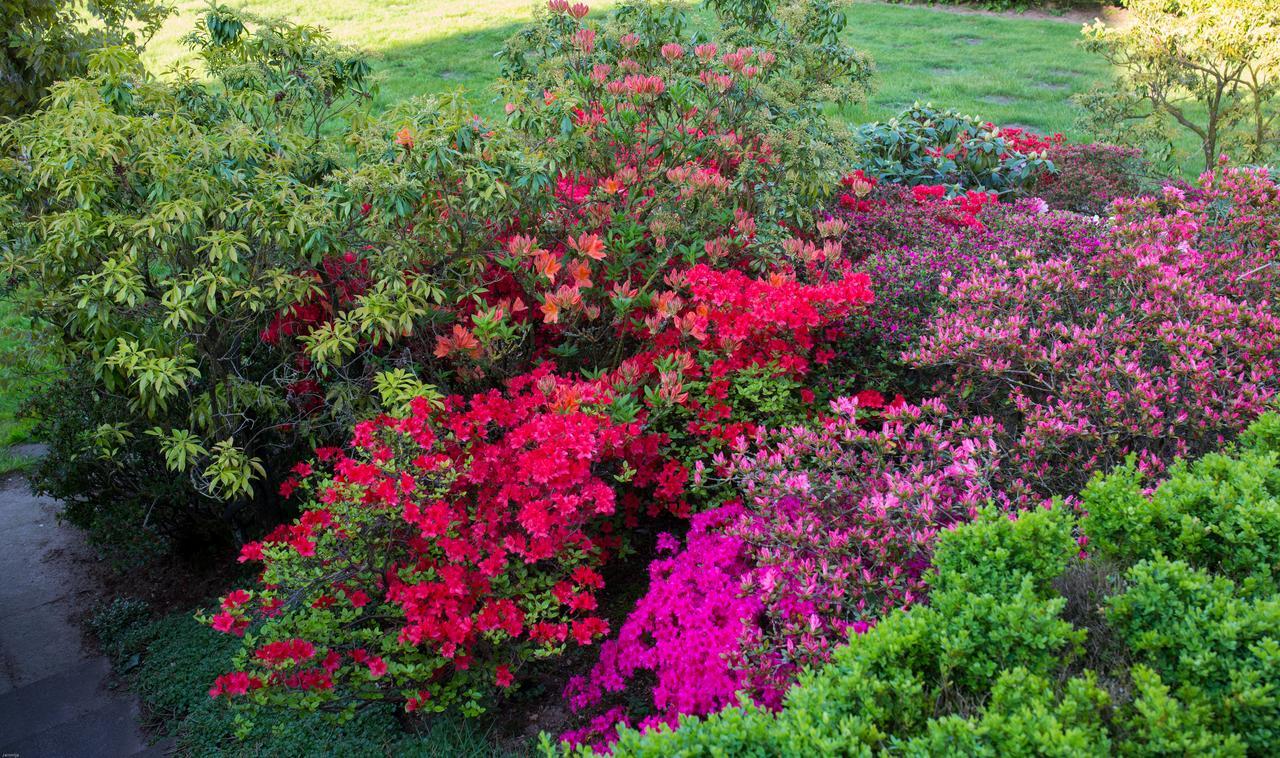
{"points": [[589, 245], [547, 265], [404, 138], [550, 310]]}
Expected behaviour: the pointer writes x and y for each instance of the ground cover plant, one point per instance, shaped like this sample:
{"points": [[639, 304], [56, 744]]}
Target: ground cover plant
{"points": [[652, 394]]}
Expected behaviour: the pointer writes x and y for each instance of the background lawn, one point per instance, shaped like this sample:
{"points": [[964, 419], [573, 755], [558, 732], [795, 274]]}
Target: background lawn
{"points": [[1009, 69]]}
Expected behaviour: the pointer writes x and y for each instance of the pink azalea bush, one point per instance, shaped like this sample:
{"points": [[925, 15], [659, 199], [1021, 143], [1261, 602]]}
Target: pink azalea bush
{"points": [[1157, 343], [835, 529], [1077, 341]]}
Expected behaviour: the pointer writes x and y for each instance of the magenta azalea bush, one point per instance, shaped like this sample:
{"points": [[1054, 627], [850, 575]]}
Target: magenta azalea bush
{"points": [[835, 529]]}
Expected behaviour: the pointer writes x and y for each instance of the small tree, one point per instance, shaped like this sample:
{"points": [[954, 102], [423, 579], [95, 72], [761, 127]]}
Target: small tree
{"points": [[1211, 67], [43, 41]]}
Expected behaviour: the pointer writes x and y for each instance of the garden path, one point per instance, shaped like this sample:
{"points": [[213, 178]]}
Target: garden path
{"points": [[55, 691]]}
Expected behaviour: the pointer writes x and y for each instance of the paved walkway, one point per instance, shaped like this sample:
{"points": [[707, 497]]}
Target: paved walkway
{"points": [[54, 694]]}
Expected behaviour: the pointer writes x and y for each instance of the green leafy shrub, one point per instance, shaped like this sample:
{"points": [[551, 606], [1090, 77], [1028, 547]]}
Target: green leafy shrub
{"points": [[1219, 513], [175, 230], [992, 667], [925, 146], [170, 661], [1210, 644], [44, 41], [1210, 67]]}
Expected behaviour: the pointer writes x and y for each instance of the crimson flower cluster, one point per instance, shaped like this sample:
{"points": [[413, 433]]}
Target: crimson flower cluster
{"points": [[448, 549]]}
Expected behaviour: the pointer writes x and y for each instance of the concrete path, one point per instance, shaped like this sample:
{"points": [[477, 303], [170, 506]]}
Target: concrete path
{"points": [[54, 694]]}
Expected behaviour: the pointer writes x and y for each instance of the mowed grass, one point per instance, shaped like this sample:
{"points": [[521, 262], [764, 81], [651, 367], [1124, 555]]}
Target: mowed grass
{"points": [[1008, 69]]}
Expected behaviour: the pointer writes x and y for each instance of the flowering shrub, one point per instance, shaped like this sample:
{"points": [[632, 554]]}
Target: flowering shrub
{"points": [[1004, 658], [925, 146], [1135, 348], [449, 549], [1089, 177], [837, 529], [908, 241], [684, 125]]}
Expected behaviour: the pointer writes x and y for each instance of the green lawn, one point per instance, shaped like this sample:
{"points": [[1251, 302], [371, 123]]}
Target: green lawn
{"points": [[1009, 69]]}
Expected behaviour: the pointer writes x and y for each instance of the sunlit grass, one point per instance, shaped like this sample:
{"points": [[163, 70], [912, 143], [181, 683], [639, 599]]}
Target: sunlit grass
{"points": [[1011, 70]]}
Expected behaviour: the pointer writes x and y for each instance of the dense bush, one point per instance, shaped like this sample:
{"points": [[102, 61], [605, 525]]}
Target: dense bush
{"points": [[837, 528], [1089, 177], [1205, 66], [1152, 344], [924, 146], [908, 242], [1010, 656], [162, 228], [45, 41], [452, 548]]}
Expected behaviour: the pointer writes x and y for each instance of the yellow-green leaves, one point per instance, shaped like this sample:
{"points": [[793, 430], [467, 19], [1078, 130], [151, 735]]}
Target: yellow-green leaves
{"points": [[180, 447], [397, 388], [1210, 67], [231, 472], [156, 378]]}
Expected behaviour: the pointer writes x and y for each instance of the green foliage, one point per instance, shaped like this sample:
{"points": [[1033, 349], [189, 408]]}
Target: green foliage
{"points": [[997, 554], [170, 661], [118, 490], [927, 146], [991, 668], [44, 41], [1162, 725], [167, 226], [1214, 647], [1220, 513], [1211, 67]]}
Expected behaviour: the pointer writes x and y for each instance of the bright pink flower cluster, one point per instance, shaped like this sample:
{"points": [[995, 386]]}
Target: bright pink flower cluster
{"points": [[684, 630], [838, 528]]}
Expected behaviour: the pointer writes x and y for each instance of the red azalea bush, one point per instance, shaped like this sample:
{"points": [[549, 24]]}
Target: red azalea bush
{"points": [[1151, 344], [450, 548], [474, 531], [837, 528], [1089, 177]]}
